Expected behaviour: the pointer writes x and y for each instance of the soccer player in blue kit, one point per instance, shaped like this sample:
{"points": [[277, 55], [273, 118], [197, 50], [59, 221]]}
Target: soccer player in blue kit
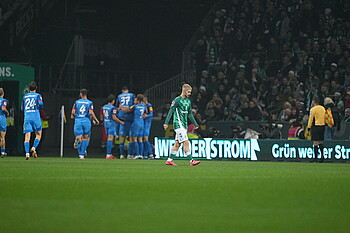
{"points": [[124, 100], [31, 104], [3, 128], [110, 123], [147, 116], [136, 129], [81, 111]]}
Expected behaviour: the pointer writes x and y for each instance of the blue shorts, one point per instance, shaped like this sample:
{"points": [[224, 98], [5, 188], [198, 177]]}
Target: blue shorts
{"points": [[136, 130], [147, 128], [3, 125], [31, 125], [82, 126], [110, 128], [124, 130]]}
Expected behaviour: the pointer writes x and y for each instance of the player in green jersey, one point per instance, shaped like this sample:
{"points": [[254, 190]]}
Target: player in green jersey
{"points": [[181, 110]]}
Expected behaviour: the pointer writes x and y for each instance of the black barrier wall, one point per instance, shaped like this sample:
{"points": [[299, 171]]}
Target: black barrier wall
{"points": [[226, 128], [256, 150]]}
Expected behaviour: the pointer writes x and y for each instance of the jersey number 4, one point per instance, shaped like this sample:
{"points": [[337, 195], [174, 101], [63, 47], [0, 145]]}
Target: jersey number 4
{"points": [[82, 109]]}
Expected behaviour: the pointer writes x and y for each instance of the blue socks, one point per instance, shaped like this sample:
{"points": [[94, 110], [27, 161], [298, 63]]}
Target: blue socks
{"points": [[26, 147], [84, 146], [109, 147], [3, 150], [149, 148], [140, 144], [145, 151], [131, 149], [121, 148], [80, 148], [137, 148], [36, 143]]}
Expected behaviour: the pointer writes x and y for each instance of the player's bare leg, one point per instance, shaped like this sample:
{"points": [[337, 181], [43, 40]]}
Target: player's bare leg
{"points": [[173, 152], [36, 143], [2, 143], [76, 143]]}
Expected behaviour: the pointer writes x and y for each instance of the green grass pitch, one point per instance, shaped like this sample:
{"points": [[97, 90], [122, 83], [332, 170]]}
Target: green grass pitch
{"points": [[96, 195]]}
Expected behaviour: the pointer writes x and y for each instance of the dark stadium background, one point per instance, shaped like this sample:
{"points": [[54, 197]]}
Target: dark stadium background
{"points": [[148, 38], [103, 45], [151, 34]]}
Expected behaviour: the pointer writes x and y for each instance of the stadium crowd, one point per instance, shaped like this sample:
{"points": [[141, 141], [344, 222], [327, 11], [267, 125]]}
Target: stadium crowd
{"points": [[265, 60]]}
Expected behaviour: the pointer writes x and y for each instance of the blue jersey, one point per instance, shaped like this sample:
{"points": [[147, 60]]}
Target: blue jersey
{"points": [[136, 129], [126, 100], [82, 108], [108, 112], [139, 110], [149, 112], [148, 120], [31, 104], [3, 103]]}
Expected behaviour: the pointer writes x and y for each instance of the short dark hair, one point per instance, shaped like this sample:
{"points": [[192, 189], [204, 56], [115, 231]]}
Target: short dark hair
{"points": [[316, 99], [139, 97], [124, 88], [32, 86], [110, 98], [83, 92]]}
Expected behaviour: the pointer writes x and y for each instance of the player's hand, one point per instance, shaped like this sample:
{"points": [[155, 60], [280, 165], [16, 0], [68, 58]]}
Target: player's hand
{"points": [[144, 116], [96, 122], [197, 127], [165, 127], [122, 123]]}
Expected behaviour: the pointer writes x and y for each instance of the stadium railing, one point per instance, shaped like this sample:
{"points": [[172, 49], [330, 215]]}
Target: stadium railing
{"points": [[165, 91], [100, 82]]}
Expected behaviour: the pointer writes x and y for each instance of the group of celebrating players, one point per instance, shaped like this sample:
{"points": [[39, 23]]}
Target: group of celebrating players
{"points": [[124, 116]]}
